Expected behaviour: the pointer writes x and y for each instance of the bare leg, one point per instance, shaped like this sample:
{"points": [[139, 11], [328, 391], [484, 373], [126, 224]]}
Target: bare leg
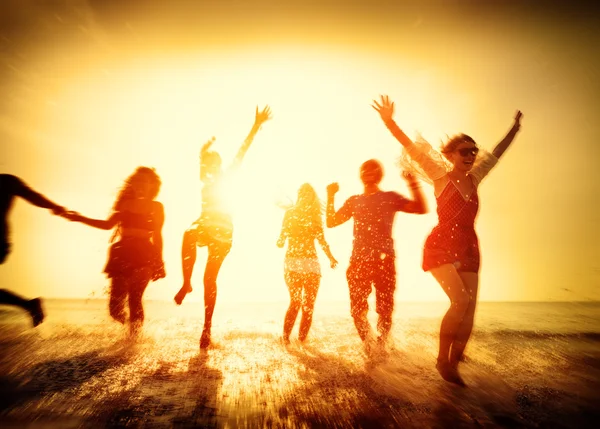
{"points": [[294, 284], [137, 287], [211, 272], [188, 259], [471, 281], [452, 284], [311, 287], [116, 303], [33, 306]]}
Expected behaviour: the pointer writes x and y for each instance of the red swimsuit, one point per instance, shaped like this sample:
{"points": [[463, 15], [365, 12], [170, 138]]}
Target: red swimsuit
{"points": [[453, 240]]}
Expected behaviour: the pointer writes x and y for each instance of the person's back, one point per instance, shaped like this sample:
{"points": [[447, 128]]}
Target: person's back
{"points": [[372, 263], [302, 231], [373, 222]]}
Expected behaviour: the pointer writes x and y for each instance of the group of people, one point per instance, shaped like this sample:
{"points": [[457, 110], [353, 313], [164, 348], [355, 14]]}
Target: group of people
{"points": [[451, 251]]}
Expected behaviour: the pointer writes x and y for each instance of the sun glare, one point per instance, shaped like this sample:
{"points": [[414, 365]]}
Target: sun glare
{"points": [[159, 111]]}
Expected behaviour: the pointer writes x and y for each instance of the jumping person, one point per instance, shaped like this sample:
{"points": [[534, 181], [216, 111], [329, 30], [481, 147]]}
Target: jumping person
{"points": [[451, 251], [214, 227]]}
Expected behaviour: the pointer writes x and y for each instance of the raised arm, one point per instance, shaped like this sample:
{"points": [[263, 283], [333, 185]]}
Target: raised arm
{"points": [[260, 118], [417, 204], [334, 218], [433, 169], [107, 224], [385, 108], [508, 139], [35, 198], [321, 239]]}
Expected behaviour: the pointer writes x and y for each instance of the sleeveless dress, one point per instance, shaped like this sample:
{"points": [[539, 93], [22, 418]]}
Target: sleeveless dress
{"points": [[453, 240]]}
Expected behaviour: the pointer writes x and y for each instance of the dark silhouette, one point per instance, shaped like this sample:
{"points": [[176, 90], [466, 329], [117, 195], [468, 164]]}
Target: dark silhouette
{"points": [[302, 225], [451, 251], [11, 187], [214, 227], [373, 257], [136, 258]]}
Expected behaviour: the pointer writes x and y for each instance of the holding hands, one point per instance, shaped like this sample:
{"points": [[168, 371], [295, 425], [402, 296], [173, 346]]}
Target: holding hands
{"points": [[71, 215]]}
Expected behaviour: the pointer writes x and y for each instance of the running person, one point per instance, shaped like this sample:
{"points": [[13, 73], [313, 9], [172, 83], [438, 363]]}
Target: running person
{"points": [[302, 225], [451, 251], [136, 258], [214, 227], [372, 263], [11, 187]]}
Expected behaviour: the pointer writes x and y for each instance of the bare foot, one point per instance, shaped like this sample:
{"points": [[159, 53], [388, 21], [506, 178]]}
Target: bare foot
{"points": [[185, 289], [449, 373], [36, 311], [205, 338]]}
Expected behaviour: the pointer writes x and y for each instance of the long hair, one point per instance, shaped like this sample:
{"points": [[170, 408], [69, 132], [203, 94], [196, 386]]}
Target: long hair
{"points": [[129, 190], [308, 204]]}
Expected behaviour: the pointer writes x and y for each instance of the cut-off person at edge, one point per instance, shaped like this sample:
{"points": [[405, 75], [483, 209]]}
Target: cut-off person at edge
{"points": [[302, 225], [214, 227], [11, 187], [451, 251], [372, 263], [136, 258]]}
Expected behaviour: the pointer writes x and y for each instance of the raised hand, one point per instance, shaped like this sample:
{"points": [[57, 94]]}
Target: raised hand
{"points": [[263, 116], [385, 108], [518, 117], [206, 146], [332, 189]]}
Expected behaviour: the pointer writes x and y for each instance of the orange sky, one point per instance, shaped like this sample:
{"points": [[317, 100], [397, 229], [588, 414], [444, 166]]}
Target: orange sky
{"points": [[93, 89]]}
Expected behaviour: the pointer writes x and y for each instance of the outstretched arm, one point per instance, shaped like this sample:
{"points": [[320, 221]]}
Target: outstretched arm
{"points": [[417, 205], [508, 139], [35, 198], [385, 108], [96, 223], [334, 218], [260, 118]]}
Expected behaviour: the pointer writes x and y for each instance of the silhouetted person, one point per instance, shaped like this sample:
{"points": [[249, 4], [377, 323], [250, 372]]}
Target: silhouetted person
{"points": [[136, 258], [302, 225], [372, 263], [214, 227], [451, 250], [11, 187]]}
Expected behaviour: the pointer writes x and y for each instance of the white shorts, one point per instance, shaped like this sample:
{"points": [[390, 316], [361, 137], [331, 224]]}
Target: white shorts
{"points": [[302, 266]]}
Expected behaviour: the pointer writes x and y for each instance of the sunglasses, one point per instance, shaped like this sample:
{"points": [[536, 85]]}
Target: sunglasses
{"points": [[468, 151]]}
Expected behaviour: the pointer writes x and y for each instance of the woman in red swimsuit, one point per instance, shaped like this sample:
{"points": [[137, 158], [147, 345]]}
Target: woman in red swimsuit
{"points": [[451, 251]]}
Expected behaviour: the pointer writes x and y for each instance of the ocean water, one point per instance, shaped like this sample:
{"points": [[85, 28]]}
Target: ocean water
{"points": [[531, 365]]}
